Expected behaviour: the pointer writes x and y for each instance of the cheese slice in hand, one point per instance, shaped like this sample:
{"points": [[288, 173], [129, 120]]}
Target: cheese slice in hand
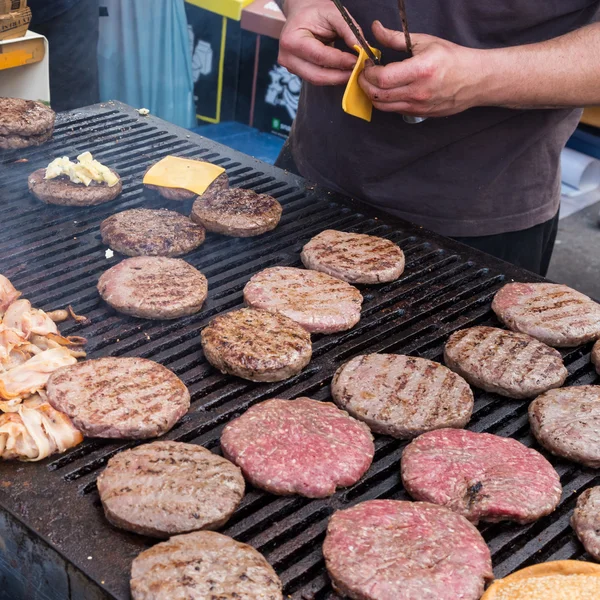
{"points": [[182, 173], [355, 102]]}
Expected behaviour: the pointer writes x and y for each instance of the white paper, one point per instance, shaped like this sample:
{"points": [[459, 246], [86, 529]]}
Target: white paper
{"points": [[580, 175]]}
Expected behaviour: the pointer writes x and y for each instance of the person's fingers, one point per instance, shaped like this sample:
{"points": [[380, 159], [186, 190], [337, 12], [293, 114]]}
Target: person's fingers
{"points": [[302, 44], [343, 30], [388, 37], [315, 74], [393, 75]]}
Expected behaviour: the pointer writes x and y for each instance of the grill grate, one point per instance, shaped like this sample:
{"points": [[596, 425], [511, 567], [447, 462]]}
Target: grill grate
{"points": [[55, 256]]}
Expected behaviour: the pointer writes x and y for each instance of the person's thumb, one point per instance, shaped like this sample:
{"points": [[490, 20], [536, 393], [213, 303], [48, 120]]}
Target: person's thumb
{"points": [[389, 38]]}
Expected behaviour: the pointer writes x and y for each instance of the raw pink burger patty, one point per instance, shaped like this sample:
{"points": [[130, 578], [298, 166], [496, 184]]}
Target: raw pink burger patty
{"points": [[480, 476], [299, 446], [393, 550]]}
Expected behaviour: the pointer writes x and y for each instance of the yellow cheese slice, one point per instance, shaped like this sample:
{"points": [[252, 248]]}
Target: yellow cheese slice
{"points": [[182, 173], [355, 102]]}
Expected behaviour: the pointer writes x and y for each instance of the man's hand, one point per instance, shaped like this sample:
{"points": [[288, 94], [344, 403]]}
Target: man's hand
{"points": [[440, 79], [304, 48]]}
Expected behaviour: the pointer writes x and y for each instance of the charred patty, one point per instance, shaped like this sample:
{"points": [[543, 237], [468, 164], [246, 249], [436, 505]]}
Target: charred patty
{"points": [[586, 521], [24, 123], [145, 232]]}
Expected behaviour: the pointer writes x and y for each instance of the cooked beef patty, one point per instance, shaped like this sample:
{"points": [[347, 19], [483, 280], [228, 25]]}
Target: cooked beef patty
{"points": [[402, 396], [394, 550], [354, 257], [256, 345], [145, 232], [16, 142], [165, 488], [203, 566], [554, 314], [481, 476], [236, 212], [154, 287], [318, 302], [220, 184], [506, 363], [586, 521], [299, 446], [596, 356], [567, 423], [24, 123], [130, 398], [64, 192]]}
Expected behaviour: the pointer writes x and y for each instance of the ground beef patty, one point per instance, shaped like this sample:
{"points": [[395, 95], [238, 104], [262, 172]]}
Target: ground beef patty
{"points": [[154, 287], [318, 302], [567, 423], [145, 232], [63, 192], [596, 356], [220, 184], [393, 550], [506, 363], [586, 521], [131, 398], [354, 257], [17, 142], [299, 446], [554, 314], [24, 123], [165, 488], [236, 212], [256, 345], [481, 476], [203, 566], [402, 396]]}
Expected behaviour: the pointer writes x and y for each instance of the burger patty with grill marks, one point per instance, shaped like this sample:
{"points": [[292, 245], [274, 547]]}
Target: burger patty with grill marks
{"points": [[154, 287], [166, 488], [24, 123], [586, 521], [130, 398], [402, 396], [221, 183], [318, 302], [354, 257], [506, 363], [256, 345], [554, 314]]}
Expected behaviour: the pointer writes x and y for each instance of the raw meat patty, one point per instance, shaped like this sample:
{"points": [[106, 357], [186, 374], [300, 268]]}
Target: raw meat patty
{"points": [[130, 398], [554, 314], [318, 302], [236, 212], [203, 566], [145, 232], [219, 184], [154, 287], [586, 521], [393, 550], [506, 363], [567, 423], [402, 396], [16, 142], [596, 356], [299, 446], [63, 192], [481, 476], [24, 117], [165, 488], [256, 345], [354, 257]]}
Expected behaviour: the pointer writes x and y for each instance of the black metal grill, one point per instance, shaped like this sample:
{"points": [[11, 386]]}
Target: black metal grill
{"points": [[55, 256]]}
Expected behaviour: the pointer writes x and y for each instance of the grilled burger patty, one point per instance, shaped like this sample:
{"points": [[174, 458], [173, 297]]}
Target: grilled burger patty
{"points": [[154, 287], [354, 257], [25, 120], [203, 566], [299, 446], [166, 488], [554, 314], [596, 356], [481, 476], [131, 398], [318, 302], [236, 212], [16, 142], [506, 363], [256, 345], [63, 192], [145, 232], [394, 550], [586, 521], [402, 396], [567, 423], [220, 184]]}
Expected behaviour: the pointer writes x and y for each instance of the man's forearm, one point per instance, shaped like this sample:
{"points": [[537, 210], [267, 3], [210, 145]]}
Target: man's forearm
{"points": [[561, 72]]}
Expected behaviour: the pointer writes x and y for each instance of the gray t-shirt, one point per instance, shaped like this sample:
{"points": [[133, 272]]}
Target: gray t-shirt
{"points": [[482, 172]]}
